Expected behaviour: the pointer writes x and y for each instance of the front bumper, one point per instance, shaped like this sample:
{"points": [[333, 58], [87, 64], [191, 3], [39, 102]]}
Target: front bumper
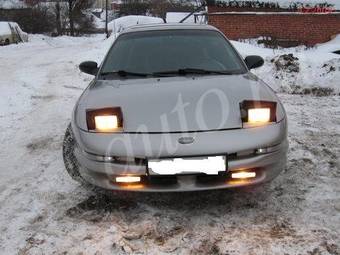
{"points": [[101, 174], [240, 146]]}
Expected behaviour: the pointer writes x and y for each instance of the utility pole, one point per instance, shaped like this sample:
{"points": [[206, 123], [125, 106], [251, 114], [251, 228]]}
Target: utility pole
{"points": [[106, 18], [70, 14], [58, 17]]}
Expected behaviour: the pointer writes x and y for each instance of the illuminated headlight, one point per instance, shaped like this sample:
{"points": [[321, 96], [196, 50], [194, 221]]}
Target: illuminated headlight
{"points": [[105, 120], [257, 113], [106, 123]]}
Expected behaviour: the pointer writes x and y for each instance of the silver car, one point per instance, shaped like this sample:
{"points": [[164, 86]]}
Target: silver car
{"points": [[175, 108]]}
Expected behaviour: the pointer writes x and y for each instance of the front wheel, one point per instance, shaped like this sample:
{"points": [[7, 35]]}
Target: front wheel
{"points": [[70, 161]]}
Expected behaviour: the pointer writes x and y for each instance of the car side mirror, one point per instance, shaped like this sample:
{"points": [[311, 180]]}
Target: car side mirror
{"points": [[89, 67], [254, 61]]}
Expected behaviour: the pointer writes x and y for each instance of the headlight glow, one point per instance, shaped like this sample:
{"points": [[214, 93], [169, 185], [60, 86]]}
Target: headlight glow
{"points": [[259, 115], [243, 175], [105, 119], [106, 123], [128, 179]]}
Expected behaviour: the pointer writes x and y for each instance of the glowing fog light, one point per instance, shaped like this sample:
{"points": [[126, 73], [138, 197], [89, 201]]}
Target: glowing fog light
{"points": [[259, 115], [128, 179], [243, 175]]}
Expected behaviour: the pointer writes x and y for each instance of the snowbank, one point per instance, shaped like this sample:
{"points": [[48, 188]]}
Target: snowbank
{"points": [[123, 23], [331, 46], [99, 23], [305, 71]]}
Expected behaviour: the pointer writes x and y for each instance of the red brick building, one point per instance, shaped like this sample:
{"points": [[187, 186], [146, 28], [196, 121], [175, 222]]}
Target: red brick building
{"points": [[286, 26]]}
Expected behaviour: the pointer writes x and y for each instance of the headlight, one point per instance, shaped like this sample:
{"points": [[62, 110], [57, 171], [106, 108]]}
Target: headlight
{"points": [[105, 120], [105, 123], [257, 113]]}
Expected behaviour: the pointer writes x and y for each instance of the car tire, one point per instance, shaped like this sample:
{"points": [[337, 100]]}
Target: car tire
{"points": [[72, 166], [70, 161]]}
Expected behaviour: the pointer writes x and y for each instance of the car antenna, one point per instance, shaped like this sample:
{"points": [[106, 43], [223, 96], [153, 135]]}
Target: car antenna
{"points": [[199, 8]]}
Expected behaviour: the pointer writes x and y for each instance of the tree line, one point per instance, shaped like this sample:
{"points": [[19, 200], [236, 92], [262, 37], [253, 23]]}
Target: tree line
{"points": [[73, 17], [56, 17]]}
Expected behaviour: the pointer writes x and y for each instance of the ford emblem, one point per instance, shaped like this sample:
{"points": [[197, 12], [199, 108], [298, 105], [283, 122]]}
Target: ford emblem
{"points": [[186, 140]]}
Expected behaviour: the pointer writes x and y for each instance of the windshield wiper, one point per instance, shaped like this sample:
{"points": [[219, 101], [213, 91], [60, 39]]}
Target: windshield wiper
{"points": [[186, 71], [123, 73]]}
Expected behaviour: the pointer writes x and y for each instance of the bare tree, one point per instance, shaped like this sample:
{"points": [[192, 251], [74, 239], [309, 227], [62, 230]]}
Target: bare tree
{"points": [[71, 16], [71, 6], [134, 7], [159, 8], [58, 17], [36, 19]]}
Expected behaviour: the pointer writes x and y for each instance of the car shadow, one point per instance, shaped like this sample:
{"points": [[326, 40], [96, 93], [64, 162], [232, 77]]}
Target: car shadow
{"points": [[180, 202]]}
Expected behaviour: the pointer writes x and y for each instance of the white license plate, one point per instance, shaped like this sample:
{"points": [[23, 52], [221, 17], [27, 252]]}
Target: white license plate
{"points": [[207, 165]]}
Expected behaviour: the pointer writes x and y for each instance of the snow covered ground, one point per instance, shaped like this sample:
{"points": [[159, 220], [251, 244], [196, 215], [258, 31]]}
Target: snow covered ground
{"points": [[304, 70], [42, 211]]}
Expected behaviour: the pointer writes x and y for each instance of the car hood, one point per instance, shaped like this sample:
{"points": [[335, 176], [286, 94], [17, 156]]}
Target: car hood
{"points": [[176, 104]]}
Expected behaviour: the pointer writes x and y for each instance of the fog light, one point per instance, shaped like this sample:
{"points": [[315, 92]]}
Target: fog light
{"points": [[243, 175], [128, 179]]}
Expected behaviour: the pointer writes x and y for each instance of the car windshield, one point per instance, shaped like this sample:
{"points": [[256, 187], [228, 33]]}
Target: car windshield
{"points": [[172, 52]]}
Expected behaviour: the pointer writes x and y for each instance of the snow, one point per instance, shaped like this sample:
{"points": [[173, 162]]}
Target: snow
{"points": [[4, 28], [331, 46], [175, 17], [96, 10], [42, 211], [319, 66], [9, 4], [125, 22], [99, 23]]}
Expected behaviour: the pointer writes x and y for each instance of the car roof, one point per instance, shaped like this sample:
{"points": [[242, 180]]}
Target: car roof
{"points": [[4, 28], [168, 26]]}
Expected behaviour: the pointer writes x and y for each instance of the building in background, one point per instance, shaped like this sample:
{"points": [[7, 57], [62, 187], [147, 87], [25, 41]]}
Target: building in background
{"points": [[285, 26]]}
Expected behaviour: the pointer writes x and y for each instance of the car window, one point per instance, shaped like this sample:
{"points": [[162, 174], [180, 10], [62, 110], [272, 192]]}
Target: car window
{"points": [[161, 51]]}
